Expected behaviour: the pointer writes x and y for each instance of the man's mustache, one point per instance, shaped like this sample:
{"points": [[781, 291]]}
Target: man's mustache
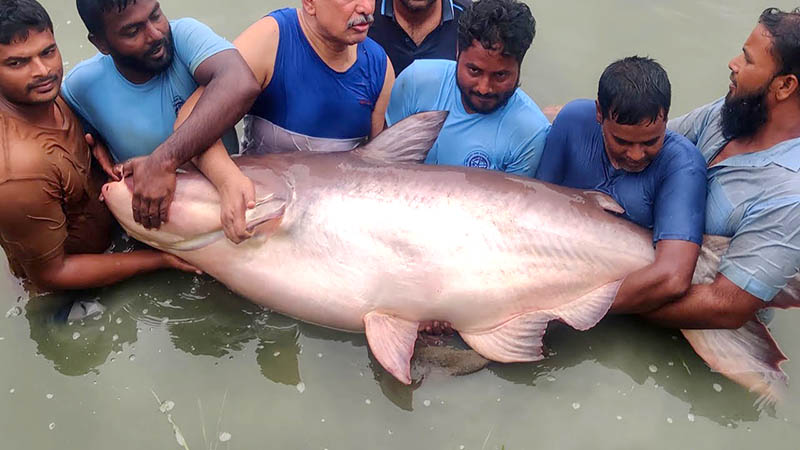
{"points": [[485, 96], [361, 20], [39, 82], [156, 47]]}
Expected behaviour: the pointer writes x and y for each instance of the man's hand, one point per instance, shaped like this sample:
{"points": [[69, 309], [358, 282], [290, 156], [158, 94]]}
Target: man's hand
{"points": [[153, 189], [237, 195], [437, 328], [173, 262], [102, 156]]}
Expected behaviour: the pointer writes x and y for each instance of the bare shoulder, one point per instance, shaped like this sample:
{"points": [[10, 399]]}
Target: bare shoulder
{"points": [[258, 45]]}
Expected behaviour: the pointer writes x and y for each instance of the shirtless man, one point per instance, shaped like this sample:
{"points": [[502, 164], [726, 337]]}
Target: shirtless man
{"points": [[53, 226]]}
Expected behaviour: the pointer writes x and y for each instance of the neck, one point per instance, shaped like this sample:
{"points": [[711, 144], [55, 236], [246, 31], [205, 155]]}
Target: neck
{"points": [[332, 52], [39, 114], [782, 125], [417, 17], [133, 75]]}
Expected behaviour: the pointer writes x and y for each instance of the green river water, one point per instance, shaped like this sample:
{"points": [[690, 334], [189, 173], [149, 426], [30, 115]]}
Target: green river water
{"points": [[229, 375]]}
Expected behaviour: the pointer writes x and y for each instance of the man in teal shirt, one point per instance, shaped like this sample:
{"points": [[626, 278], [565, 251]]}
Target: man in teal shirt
{"points": [[131, 93], [492, 123]]}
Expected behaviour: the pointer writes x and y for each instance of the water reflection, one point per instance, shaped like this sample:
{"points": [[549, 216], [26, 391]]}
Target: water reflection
{"points": [[643, 353]]}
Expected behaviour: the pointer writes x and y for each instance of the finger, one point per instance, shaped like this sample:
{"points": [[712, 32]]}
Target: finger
{"points": [[154, 212], [126, 168], [89, 139], [137, 206], [250, 195], [239, 221], [228, 227], [166, 202], [163, 210]]}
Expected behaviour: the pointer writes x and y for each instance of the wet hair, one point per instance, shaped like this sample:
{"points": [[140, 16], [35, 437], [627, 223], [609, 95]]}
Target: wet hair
{"points": [[785, 30], [493, 23], [634, 90], [91, 12], [19, 17]]}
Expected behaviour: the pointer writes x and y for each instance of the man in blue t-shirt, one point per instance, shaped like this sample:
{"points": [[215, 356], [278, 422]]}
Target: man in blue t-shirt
{"points": [[130, 95], [492, 123], [620, 145]]}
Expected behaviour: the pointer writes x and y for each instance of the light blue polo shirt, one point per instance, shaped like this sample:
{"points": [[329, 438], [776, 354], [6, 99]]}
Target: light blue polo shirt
{"points": [[510, 139], [134, 119], [755, 199]]}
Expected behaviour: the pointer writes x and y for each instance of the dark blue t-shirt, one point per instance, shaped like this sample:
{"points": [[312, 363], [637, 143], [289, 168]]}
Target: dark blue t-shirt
{"points": [[669, 196]]}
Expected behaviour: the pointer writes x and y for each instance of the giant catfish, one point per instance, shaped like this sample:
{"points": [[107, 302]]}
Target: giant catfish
{"points": [[372, 241]]}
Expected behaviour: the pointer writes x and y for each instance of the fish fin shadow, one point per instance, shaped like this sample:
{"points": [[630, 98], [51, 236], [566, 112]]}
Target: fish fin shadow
{"points": [[392, 340], [520, 339], [408, 141], [748, 355]]}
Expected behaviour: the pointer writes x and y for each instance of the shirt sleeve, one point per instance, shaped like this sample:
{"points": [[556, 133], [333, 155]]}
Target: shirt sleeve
{"points": [[691, 125], [679, 209], [402, 102], [553, 162], [525, 160], [33, 225], [765, 250], [195, 42]]}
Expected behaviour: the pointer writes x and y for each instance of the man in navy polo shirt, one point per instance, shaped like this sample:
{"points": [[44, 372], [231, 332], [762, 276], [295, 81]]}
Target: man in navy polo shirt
{"points": [[620, 145], [417, 29]]}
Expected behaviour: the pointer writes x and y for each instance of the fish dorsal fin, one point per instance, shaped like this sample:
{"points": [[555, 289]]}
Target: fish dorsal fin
{"points": [[407, 141], [605, 201], [391, 340], [748, 356], [520, 339]]}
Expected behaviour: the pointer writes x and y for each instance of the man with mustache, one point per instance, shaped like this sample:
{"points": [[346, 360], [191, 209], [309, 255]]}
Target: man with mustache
{"points": [[131, 92], [619, 145], [751, 143], [492, 123], [417, 29], [324, 84], [53, 226]]}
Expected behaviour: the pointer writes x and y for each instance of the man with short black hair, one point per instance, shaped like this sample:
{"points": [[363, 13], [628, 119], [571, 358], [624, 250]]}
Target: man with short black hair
{"points": [[619, 145], [492, 123], [417, 29], [53, 226], [131, 93], [751, 142]]}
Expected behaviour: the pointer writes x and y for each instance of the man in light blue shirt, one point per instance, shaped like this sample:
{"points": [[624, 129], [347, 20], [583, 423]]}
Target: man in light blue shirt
{"points": [[492, 123], [131, 93], [751, 142]]}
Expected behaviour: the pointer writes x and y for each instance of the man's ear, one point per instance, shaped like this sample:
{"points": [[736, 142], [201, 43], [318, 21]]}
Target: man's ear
{"points": [[599, 111], [787, 86], [100, 44], [310, 7]]}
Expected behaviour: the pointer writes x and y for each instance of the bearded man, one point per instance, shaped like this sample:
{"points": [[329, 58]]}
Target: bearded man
{"points": [[751, 142], [492, 123]]}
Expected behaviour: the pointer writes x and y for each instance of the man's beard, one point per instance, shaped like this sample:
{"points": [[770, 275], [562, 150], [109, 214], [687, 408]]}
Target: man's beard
{"points": [[501, 97], [743, 116], [416, 7], [147, 65]]}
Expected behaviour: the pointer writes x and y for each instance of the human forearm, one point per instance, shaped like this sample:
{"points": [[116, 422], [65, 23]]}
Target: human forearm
{"points": [[646, 290], [84, 271]]}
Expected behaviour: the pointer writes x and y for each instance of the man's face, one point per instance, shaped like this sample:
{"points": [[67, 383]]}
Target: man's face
{"points": [[417, 5], [632, 147], [344, 21], [486, 78], [139, 37], [31, 69], [752, 71]]}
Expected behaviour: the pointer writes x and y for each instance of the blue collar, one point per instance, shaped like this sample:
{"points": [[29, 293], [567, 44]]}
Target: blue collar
{"points": [[786, 154], [387, 9]]}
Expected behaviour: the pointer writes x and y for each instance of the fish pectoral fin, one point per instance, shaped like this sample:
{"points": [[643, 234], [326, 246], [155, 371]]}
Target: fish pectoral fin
{"points": [[520, 339], [605, 201], [749, 356], [269, 208], [407, 141], [391, 340]]}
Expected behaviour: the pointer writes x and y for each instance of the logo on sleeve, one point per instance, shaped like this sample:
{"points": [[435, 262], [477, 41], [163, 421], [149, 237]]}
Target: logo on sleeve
{"points": [[477, 158]]}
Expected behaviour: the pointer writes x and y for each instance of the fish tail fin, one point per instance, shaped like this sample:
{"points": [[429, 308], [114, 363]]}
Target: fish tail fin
{"points": [[520, 339], [409, 140], [748, 355]]}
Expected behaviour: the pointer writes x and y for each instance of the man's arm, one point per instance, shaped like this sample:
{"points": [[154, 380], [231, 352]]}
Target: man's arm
{"points": [[84, 271], [667, 278], [379, 113], [230, 91], [553, 162], [721, 304]]}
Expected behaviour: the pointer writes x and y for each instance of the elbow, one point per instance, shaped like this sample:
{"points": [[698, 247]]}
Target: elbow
{"points": [[676, 285], [247, 89], [47, 282]]}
